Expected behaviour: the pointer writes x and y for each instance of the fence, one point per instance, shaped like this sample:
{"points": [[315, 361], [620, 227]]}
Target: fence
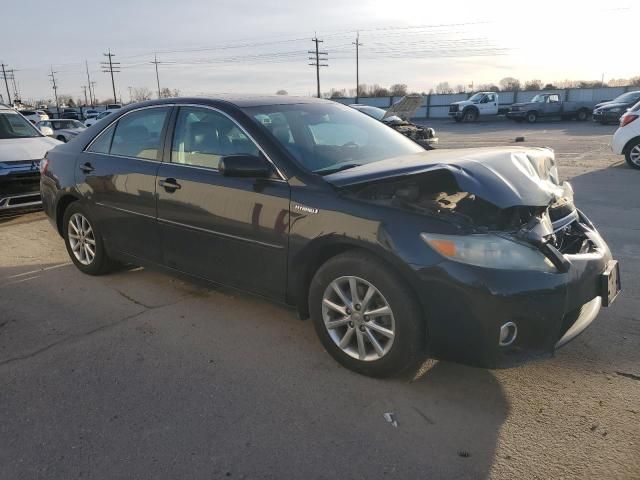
{"points": [[437, 106]]}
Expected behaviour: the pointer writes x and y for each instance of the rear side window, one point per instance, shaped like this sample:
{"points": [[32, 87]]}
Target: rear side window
{"points": [[138, 134], [103, 142]]}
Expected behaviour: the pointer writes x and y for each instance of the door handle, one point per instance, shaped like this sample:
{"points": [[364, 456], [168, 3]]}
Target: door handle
{"points": [[170, 184], [87, 167]]}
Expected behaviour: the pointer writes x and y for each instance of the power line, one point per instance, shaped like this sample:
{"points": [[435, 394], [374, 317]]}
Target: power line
{"points": [[358, 45], [6, 84], [319, 56], [55, 88], [111, 67]]}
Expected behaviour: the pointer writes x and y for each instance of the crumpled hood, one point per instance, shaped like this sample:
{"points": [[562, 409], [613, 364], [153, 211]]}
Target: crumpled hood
{"points": [[33, 148], [504, 176]]}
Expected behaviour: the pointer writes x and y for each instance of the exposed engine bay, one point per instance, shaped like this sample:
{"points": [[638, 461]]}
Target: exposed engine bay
{"points": [[436, 193]]}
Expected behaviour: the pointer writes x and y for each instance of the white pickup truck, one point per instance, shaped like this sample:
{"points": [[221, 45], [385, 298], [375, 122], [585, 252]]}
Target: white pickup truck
{"points": [[479, 104]]}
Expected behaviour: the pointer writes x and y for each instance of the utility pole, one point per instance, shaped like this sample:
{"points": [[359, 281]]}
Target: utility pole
{"points": [[130, 94], [55, 89], [12, 77], [93, 89], [84, 89], [156, 62], [319, 56], [111, 67], [357, 44], [6, 84], [89, 83]]}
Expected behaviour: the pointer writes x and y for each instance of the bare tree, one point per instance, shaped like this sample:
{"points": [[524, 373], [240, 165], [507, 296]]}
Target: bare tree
{"points": [[337, 93], [533, 85], [487, 87], [510, 84], [141, 94], [168, 93], [282, 92], [398, 89], [443, 88], [378, 91]]}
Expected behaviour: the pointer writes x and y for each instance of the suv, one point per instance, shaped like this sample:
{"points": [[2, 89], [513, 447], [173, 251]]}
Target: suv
{"points": [[22, 146]]}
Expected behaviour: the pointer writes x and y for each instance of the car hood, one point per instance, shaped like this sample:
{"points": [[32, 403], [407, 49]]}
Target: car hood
{"points": [[521, 104], [609, 105], [504, 176], [32, 148], [463, 102]]}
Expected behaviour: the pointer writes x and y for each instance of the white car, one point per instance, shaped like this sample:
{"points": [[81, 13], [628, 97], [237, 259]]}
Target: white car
{"points": [[101, 115], [626, 140], [61, 129], [34, 116], [22, 146]]}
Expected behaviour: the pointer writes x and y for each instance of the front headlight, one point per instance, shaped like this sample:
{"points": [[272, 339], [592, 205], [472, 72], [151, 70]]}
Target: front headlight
{"points": [[490, 251]]}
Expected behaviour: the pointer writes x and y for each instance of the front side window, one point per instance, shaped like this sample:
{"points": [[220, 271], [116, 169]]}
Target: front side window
{"points": [[202, 136], [138, 134], [327, 137]]}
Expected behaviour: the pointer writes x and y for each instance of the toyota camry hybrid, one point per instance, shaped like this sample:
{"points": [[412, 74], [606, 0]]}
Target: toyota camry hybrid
{"points": [[477, 255]]}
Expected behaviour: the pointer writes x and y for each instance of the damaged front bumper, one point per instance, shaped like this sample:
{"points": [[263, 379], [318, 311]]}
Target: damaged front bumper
{"points": [[547, 309]]}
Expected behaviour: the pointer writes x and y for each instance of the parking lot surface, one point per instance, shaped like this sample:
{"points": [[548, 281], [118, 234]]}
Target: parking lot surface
{"points": [[139, 374]]}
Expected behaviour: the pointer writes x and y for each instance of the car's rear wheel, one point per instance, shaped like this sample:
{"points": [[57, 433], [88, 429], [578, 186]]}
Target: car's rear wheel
{"points": [[582, 115], [632, 155], [84, 242], [532, 117], [365, 315]]}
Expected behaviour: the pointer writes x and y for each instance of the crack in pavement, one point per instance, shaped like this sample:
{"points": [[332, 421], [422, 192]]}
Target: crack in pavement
{"points": [[77, 336], [137, 302]]}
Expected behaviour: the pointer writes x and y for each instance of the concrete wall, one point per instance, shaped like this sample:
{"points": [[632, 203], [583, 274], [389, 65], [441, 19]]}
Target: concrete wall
{"points": [[437, 106]]}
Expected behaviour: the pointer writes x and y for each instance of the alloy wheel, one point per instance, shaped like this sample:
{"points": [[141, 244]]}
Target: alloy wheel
{"points": [[81, 239], [634, 155], [358, 318]]}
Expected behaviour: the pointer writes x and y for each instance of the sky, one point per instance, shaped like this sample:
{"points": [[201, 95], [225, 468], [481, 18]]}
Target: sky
{"points": [[260, 46]]}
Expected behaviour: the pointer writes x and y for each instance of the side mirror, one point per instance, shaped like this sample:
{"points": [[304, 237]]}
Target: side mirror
{"points": [[48, 131], [245, 166]]}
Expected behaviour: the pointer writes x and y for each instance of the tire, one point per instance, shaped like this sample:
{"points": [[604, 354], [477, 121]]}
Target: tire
{"points": [[582, 115], [393, 354], [532, 117], [632, 154], [470, 115], [100, 263], [61, 138]]}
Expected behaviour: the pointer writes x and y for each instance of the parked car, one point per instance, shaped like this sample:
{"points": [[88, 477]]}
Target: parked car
{"points": [[423, 136], [97, 118], [34, 116], [113, 106], [91, 114], [70, 114], [626, 140], [611, 111], [471, 255], [22, 147], [63, 130], [479, 104], [545, 105]]}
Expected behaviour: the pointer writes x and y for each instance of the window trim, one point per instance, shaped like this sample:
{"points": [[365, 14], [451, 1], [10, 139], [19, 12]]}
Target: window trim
{"points": [[116, 120], [240, 127]]}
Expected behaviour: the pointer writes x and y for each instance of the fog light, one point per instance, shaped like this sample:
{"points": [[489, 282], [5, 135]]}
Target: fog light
{"points": [[508, 333]]}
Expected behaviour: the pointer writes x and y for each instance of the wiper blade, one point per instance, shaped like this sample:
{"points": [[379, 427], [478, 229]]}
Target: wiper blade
{"points": [[336, 168]]}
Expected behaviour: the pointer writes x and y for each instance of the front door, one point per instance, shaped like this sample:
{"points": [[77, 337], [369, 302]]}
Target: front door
{"points": [[117, 175], [229, 230]]}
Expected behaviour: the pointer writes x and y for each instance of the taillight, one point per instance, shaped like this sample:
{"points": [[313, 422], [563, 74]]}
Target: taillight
{"points": [[627, 119]]}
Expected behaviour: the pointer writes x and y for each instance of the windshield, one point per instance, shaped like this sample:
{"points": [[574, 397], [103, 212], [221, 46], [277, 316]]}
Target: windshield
{"points": [[629, 97], [13, 125], [325, 138], [477, 97]]}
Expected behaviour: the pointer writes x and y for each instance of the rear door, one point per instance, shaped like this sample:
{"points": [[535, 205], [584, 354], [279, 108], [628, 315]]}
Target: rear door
{"points": [[117, 175], [229, 230]]}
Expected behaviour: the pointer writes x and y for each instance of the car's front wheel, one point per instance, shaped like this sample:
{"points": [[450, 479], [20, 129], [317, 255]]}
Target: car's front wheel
{"points": [[84, 242], [365, 315], [632, 154]]}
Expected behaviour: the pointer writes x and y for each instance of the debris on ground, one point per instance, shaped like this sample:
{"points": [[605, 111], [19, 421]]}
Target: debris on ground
{"points": [[391, 418]]}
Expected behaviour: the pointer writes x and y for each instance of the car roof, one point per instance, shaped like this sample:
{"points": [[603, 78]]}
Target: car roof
{"points": [[237, 100]]}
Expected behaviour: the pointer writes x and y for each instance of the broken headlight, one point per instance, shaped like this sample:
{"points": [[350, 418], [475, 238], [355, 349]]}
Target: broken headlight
{"points": [[490, 251]]}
